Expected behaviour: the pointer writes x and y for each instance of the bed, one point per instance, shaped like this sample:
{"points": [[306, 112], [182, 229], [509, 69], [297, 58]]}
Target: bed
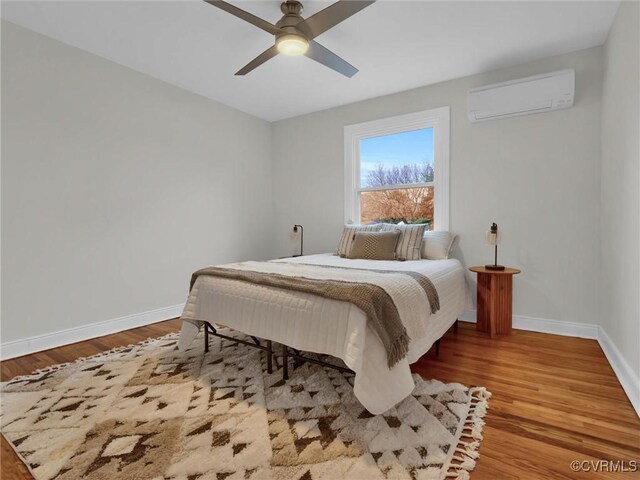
{"points": [[312, 323]]}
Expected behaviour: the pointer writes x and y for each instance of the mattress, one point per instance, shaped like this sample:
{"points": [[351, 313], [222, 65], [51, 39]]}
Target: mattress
{"points": [[315, 324]]}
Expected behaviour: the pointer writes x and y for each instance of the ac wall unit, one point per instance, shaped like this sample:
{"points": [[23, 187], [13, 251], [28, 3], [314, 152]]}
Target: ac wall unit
{"points": [[540, 93]]}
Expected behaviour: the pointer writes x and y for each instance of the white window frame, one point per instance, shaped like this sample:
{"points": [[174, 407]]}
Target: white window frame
{"points": [[436, 118]]}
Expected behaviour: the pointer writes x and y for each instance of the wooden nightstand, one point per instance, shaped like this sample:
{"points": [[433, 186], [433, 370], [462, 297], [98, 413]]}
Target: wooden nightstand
{"points": [[494, 300]]}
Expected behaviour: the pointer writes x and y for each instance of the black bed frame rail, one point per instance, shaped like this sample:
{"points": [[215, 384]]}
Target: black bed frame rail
{"points": [[299, 358], [210, 329], [287, 352]]}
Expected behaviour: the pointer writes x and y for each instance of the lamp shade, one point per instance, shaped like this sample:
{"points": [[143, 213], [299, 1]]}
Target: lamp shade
{"points": [[493, 237], [295, 230]]}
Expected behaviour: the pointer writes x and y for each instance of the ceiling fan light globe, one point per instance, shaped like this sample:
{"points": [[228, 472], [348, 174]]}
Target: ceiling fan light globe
{"points": [[292, 45]]}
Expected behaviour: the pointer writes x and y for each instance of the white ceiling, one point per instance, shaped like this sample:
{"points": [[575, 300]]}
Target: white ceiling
{"points": [[397, 45]]}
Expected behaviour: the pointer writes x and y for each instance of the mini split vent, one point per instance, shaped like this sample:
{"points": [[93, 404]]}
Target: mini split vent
{"points": [[540, 93]]}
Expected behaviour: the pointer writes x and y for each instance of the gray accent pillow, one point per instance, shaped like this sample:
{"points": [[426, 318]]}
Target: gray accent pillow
{"points": [[349, 231], [410, 241], [375, 245]]}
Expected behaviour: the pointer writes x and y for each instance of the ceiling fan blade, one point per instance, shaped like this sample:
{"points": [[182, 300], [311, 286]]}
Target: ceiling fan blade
{"points": [[331, 16], [259, 60], [244, 15], [329, 59]]}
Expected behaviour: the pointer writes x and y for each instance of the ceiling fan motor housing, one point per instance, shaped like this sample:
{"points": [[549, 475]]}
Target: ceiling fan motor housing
{"points": [[291, 7], [291, 18]]}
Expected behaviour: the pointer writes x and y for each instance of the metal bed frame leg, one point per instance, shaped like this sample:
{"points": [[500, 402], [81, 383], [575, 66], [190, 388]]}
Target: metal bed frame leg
{"points": [[285, 363], [269, 357], [268, 348], [438, 348]]}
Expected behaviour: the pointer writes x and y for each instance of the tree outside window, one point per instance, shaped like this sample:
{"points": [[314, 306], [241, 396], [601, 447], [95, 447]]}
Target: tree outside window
{"points": [[397, 178]]}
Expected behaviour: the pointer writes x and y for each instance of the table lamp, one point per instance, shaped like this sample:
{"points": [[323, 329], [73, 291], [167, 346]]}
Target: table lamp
{"points": [[494, 237], [295, 229]]}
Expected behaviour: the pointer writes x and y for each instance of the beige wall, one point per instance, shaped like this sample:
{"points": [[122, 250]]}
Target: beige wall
{"points": [[537, 176], [620, 221], [116, 186]]}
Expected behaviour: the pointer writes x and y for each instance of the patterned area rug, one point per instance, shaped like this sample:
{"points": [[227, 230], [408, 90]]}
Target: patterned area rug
{"points": [[149, 411]]}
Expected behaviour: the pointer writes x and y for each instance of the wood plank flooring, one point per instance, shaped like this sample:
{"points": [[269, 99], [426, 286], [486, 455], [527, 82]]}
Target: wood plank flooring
{"points": [[555, 399]]}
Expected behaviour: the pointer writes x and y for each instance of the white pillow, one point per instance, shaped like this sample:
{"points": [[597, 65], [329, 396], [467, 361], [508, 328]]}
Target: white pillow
{"points": [[436, 245], [348, 234]]}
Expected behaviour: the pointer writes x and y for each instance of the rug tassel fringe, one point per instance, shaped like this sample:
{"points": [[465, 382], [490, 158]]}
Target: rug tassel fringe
{"points": [[466, 451]]}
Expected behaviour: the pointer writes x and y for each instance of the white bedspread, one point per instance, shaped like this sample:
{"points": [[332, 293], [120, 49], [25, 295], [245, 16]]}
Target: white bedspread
{"points": [[315, 324]]}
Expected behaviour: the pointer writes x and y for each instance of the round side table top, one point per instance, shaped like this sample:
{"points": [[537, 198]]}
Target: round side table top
{"points": [[506, 271]]}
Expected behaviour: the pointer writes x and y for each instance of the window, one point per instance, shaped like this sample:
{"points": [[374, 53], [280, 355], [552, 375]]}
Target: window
{"points": [[397, 169]]}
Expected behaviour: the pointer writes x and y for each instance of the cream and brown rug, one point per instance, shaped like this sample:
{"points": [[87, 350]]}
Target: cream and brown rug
{"points": [[149, 411]]}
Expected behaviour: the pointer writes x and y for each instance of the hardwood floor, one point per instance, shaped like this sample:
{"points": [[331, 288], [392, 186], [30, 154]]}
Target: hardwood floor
{"points": [[555, 399]]}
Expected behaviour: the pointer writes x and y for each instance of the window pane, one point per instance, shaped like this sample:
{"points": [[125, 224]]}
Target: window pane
{"points": [[397, 159], [410, 205]]}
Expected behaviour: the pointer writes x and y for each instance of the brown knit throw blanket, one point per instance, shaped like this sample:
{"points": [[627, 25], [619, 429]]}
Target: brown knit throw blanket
{"points": [[378, 306]]}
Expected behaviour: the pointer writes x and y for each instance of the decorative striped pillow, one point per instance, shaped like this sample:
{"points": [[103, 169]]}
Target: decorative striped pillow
{"points": [[410, 240], [348, 234]]}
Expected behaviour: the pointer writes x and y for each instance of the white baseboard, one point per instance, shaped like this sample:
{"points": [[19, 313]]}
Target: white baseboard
{"points": [[628, 379], [544, 325], [17, 348], [626, 376]]}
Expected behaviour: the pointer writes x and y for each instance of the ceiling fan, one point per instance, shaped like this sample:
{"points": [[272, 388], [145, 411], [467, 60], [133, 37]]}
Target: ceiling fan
{"points": [[295, 35]]}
